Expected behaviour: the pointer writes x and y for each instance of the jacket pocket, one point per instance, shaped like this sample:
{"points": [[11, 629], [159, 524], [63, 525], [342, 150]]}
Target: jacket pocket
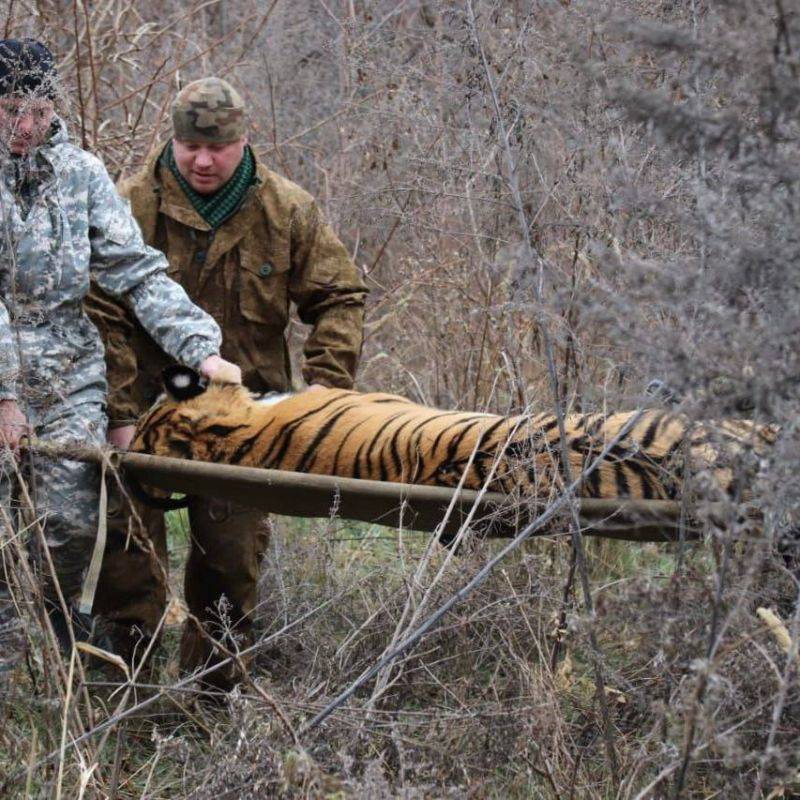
{"points": [[264, 288]]}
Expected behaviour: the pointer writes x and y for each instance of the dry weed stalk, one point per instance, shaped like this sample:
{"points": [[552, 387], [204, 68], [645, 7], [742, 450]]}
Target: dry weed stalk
{"points": [[654, 151]]}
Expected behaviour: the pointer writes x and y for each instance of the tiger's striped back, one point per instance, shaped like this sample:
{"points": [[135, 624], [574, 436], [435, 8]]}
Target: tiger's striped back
{"points": [[388, 438]]}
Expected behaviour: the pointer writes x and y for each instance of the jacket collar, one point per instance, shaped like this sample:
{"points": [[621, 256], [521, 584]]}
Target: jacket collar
{"points": [[173, 203]]}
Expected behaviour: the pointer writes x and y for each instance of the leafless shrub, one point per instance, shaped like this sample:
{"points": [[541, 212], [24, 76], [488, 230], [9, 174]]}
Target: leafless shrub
{"points": [[656, 154]]}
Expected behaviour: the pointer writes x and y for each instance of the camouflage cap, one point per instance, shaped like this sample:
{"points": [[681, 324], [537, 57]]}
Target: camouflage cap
{"points": [[208, 110]]}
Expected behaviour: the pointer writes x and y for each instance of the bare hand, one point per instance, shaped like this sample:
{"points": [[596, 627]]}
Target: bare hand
{"points": [[121, 437], [13, 425], [315, 387], [218, 369]]}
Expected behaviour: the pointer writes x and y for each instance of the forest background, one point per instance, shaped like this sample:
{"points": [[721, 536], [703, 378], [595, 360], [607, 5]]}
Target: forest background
{"points": [[617, 181]]}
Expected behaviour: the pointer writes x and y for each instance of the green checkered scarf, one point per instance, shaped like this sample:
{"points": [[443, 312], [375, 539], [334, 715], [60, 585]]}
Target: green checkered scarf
{"points": [[216, 208]]}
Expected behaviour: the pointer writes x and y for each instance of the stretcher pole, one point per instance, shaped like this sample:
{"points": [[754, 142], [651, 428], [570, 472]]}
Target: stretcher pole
{"points": [[393, 504]]}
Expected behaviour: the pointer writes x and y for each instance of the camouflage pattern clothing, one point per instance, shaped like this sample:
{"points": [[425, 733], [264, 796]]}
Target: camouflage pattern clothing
{"points": [[208, 110], [274, 250], [62, 221], [12, 644], [65, 492]]}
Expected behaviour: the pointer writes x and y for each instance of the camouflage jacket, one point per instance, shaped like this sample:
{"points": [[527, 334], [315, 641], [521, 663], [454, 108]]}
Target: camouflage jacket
{"points": [[274, 249], [61, 220]]}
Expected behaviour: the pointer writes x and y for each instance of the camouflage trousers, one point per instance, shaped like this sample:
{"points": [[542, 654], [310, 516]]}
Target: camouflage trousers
{"points": [[226, 546], [65, 496]]}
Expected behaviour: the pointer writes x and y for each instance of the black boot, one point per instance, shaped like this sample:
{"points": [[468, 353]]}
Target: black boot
{"points": [[81, 626]]}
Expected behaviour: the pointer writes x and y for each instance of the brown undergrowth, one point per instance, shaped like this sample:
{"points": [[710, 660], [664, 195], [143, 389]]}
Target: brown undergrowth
{"points": [[613, 183], [477, 709]]}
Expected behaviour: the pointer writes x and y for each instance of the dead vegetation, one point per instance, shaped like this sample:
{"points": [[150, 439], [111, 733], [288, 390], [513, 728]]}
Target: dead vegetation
{"points": [[553, 203]]}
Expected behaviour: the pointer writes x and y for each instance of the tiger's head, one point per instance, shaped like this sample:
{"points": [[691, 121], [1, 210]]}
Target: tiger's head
{"points": [[191, 415]]}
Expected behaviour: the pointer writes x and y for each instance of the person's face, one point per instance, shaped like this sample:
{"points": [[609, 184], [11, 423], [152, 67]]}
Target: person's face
{"points": [[24, 122], [206, 167]]}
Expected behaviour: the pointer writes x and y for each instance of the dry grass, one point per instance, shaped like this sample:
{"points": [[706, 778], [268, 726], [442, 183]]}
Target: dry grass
{"points": [[476, 708], [627, 205]]}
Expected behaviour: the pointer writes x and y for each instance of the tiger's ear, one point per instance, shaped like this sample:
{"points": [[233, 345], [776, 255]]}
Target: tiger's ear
{"points": [[183, 383]]}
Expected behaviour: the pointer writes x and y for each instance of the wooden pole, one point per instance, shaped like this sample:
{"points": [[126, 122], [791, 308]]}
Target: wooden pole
{"points": [[394, 504]]}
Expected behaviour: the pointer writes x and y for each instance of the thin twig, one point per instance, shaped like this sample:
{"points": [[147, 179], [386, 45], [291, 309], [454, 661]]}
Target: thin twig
{"points": [[552, 510], [165, 690], [534, 258]]}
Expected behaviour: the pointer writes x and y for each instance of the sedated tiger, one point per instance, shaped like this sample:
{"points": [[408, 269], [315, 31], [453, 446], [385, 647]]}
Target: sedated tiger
{"points": [[388, 438]]}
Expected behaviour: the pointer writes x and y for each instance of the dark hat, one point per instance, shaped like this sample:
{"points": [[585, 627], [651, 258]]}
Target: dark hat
{"points": [[26, 67]]}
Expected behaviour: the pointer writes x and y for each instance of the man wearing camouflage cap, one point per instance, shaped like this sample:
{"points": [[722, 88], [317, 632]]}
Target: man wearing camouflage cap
{"points": [[244, 242], [61, 221]]}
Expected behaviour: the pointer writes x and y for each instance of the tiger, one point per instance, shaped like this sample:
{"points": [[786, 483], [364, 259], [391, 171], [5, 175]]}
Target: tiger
{"points": [[385, 437]]}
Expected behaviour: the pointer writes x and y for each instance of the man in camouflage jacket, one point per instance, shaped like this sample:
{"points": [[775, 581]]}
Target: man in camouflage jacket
{"points": [[244, 242], [62, 221]]}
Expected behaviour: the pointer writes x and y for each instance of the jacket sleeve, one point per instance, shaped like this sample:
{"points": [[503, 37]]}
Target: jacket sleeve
{"points": [[117, 330], [9, 362], [329, 295], [126, 268]]}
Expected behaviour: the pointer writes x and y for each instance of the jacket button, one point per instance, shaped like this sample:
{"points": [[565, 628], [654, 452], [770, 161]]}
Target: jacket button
{"points": [[200, 256], [265, 270]]}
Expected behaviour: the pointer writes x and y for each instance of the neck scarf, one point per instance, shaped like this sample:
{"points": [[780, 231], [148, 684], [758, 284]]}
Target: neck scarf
{"points": [[216, 208]]}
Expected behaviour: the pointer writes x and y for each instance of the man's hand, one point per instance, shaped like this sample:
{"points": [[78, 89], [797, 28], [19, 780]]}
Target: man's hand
{"points": [[13, 425], [121, 437], [216, 368], [315, 387]]}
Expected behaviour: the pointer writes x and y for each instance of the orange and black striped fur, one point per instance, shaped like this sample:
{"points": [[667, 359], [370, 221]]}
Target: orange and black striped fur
{"points": [[388, 438]]}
